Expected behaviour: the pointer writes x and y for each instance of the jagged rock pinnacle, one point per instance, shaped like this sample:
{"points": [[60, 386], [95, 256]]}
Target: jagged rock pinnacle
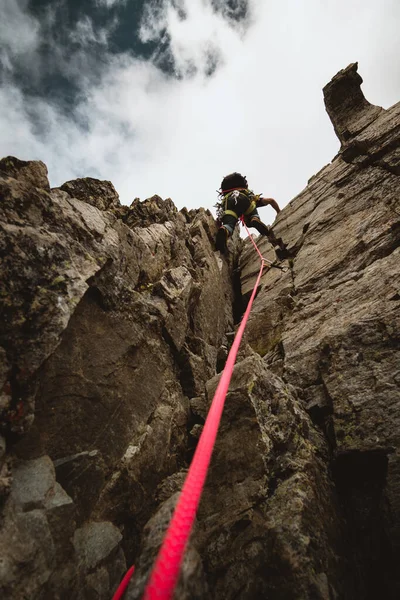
{"points": [[346, 105]]}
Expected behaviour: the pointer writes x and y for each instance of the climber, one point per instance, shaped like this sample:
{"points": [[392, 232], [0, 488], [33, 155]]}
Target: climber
{"points": [[236, 200]]}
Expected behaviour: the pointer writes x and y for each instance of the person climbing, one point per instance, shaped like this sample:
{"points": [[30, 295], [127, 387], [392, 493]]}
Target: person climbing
{"points": [[236, 200]]}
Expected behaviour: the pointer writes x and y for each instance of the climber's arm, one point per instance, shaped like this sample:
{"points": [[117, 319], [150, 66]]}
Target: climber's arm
{"points": [[270, 201]]}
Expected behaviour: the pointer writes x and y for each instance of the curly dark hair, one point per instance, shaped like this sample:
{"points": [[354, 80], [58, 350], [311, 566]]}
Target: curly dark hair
{"points": [[232, 181]]}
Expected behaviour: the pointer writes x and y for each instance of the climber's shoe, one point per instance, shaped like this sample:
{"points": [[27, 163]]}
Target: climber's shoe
{"points": [[222, 239], [282, 253]]}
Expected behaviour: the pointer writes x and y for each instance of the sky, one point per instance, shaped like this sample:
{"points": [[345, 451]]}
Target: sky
{"points": [[168, 96]]}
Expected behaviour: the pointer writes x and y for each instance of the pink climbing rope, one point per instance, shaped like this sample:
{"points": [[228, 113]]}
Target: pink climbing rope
{"points": [[252, 241], [166, 569], [124, 584], [265, 260]]}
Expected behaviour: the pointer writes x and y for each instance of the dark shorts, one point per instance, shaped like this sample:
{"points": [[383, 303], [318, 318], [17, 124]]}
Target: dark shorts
{"points": [[239, 205]]}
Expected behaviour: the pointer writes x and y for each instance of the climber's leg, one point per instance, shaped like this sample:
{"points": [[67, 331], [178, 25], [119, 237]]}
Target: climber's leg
{"points": [[225, 231], [222, 239], [253, 220]]}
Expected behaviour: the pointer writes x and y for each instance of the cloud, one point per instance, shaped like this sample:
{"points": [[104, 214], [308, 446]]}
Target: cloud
{"points": [[199, 34], [110, 3], [19, 32], [246, 96], [85, 34]]}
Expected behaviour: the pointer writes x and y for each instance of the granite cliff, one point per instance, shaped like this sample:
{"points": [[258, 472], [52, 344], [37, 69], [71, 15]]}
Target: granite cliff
{"points": [[116, 322]]}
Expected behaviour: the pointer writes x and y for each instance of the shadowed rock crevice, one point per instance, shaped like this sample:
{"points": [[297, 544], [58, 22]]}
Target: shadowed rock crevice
{"points": [[239, 304], [360, 479]]}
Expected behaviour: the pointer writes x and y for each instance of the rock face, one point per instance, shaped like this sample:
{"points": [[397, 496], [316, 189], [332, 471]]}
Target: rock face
{"points": [[108, 331], [114, 333], [330, 325]]}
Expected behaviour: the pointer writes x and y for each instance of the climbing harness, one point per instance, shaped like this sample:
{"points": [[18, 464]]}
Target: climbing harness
{"points": [[252, 207], [246, 192], [165, 573]]}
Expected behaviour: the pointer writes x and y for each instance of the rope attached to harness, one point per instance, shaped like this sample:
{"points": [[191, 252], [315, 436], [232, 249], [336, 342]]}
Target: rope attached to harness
{"points": [[164, 576]]}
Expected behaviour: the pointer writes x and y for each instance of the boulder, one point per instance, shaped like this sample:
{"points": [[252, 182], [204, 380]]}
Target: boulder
{"points": [[100, 194]]}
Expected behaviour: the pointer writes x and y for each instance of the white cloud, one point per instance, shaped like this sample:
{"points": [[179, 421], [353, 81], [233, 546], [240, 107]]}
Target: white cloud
{"points": [[19, 32], [109, 3], [261, 112], [154, 20], [85, 35], [199, 36]]}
